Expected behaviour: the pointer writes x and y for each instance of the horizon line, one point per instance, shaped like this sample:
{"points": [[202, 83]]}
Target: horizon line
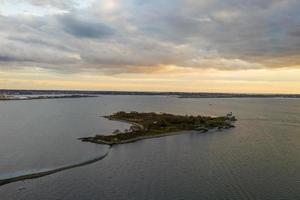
{"points": [[153, 92]]}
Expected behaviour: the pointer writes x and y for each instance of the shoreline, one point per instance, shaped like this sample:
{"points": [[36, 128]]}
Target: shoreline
{"points": [[179, 94], [98, 141], [27, 98]]}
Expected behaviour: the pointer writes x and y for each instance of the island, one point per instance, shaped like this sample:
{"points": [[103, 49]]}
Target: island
{"points": [[150, 125]]}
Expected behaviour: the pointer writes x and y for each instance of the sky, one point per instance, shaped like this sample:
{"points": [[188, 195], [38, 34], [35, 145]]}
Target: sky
{"points": [[238, 46]]}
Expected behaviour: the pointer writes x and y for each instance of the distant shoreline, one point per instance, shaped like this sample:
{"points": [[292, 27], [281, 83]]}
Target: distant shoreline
{"points": [[22, 98], [81, 93]]}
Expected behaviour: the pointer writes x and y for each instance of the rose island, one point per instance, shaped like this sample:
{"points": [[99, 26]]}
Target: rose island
{"points": [[150, 125]]}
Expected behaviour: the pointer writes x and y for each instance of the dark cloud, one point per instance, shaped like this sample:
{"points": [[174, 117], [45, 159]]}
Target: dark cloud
{"points": [[5, 58], [39, 42], [55, 3], [191, 33], [295, 32], [85, 28]]}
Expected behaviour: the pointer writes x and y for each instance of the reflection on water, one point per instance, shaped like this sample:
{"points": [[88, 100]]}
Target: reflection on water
{"points": [[259, 159]]}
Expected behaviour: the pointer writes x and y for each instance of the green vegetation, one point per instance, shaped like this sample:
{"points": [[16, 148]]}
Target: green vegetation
{"points": [[148, 125], [3, 96]]}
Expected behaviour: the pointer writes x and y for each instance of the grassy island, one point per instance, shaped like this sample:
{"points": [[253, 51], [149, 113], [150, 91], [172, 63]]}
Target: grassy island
{"points": [[149, 125]]}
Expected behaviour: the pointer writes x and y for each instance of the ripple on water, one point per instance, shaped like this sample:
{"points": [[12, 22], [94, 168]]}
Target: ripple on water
{"points": [[259, 159]]}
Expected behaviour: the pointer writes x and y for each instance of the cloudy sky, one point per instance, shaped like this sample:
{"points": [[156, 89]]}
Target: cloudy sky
{"points": [[151, 45]]}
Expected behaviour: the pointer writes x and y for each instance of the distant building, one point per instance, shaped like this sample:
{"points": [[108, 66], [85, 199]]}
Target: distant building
{"points": [[229, 114], [231, 117], [134, 129]]}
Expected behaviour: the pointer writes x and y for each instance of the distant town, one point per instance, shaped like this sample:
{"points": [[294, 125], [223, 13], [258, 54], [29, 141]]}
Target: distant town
{"points": [[53, 94]]}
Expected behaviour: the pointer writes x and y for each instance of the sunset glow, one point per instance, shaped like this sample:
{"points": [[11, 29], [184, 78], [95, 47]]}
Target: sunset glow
{"points": [[192, 46]]}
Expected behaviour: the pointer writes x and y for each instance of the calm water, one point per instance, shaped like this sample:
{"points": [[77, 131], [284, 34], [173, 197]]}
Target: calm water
{"points": [[259, 159]]}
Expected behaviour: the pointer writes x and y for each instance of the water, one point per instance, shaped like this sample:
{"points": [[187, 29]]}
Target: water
{"points": [[259, 159]]}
